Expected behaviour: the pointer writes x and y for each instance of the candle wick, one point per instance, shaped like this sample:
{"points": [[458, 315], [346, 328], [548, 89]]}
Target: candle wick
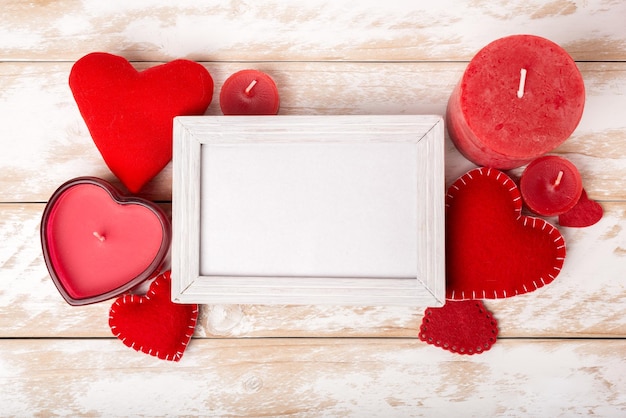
{"points": [[558, 178], [101, 238], [522, 83], [249, 88]]}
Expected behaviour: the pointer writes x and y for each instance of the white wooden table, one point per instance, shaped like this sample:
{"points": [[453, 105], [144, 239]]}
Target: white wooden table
{"points": [[562, 348]]}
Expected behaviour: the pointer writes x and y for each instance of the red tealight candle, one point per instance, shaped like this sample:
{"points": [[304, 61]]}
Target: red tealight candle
{"points": [[550, 185], [249, 92], [520, 97], [98, 244]]}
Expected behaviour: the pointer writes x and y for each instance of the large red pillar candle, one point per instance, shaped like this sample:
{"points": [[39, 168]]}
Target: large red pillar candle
{"points": [[550, 185], [98, 244], [520, 97], [249, 92]]}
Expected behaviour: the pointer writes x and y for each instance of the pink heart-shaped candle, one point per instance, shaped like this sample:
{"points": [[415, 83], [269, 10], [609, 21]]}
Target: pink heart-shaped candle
{"points": [[98, 244]]}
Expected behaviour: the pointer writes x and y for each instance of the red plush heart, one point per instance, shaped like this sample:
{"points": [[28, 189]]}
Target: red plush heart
{"points": [[152, 323], [130, 114], [586, 212], [464, 327], [492, 251]]}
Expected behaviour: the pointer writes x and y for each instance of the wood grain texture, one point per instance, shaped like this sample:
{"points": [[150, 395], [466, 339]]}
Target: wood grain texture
{"points": [[316, 377], [274, 30], [59, 141], [587, 299], [327, 57]]}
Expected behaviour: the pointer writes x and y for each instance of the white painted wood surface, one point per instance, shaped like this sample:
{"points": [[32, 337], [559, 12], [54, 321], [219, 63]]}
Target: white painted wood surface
{"points": [[313, 377], [561, 350]]}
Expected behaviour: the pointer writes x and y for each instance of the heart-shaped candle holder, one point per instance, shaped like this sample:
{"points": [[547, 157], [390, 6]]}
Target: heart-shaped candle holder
{"points": [[98, 244]]}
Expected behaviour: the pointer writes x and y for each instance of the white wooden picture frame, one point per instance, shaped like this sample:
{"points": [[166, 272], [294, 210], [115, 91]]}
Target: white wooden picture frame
{"points": [[343, 210]]}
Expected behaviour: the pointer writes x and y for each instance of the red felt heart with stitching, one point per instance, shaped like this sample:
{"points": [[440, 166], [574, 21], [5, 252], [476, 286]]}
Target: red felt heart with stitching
{"points": [[152, 323], [492, 251], [464, 327], [585, 213], [130, 114]]}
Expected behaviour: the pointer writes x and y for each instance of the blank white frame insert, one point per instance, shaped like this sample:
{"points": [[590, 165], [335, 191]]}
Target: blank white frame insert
{"points": [[344, 210]]}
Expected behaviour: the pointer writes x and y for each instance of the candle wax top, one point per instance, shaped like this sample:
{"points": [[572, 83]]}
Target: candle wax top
{"points": [[249, 92], [551, 89], [96, 244], [550, 185]]}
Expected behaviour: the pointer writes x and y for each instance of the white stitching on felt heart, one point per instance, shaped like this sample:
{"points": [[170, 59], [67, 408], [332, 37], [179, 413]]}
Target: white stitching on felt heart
{"points": [[131, 298], [537, 223], [431, 329]]}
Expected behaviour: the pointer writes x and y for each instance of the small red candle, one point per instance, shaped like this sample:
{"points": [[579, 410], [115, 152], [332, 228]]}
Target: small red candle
{"points": [[249, 92], [98, 244], [520, 97], [550, 185]]}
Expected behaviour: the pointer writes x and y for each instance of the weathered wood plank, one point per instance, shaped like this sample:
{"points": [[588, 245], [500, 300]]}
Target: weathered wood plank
{"points": [[327, 58], [587, 299], [303, 30], [303, 377], [48, 142]]}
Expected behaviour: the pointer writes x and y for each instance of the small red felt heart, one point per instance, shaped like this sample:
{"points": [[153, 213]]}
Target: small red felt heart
{"points": [[586, 212], [130, 114], [152, 323], [492, 251], [464, 327]]}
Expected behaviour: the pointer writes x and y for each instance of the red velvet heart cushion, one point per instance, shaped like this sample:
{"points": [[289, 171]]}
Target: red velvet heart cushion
{"points": [[463, 327], [492, 251], [130, 114], [152, 323]]}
